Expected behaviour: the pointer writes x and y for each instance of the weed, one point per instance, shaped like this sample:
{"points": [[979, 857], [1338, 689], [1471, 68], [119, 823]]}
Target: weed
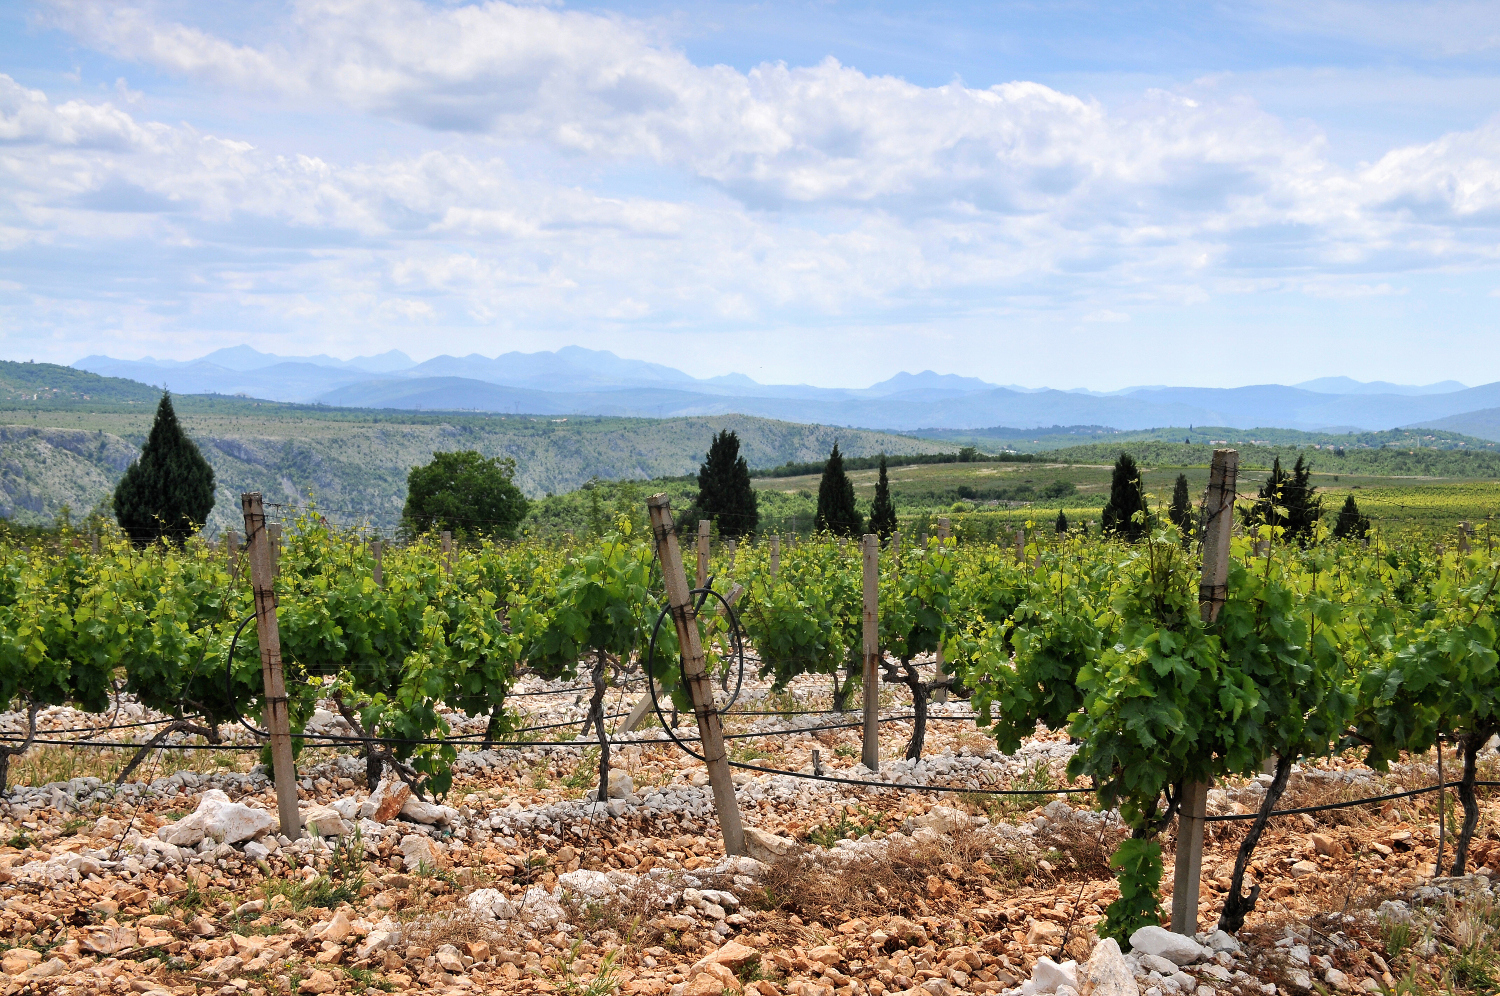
{"points": [[845, 750], [603, 982], [747, 754], [587, 772], [1398, 936], [368, 978], [346, 864], [853, 823]]}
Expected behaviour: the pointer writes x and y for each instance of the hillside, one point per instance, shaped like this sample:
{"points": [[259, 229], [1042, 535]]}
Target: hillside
{"points": [[1445, 437], [355, 463], [48, 386]]}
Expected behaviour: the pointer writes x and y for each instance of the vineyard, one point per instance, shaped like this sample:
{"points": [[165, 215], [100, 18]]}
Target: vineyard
{"points": [[893, 703]]}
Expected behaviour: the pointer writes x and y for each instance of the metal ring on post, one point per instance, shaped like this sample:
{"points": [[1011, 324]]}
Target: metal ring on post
{"points": [[229, 678], [734, 621]]}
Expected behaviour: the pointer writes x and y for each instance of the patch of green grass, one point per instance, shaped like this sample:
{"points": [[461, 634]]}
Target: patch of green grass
{"points": [[845, 750]]}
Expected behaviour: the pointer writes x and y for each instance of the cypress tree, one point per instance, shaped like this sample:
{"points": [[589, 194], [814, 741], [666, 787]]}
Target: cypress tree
{"points": [[1288, 500], [837, 512], [1181, 509], [883, 512], [1350, 523], [724, 491], [167, 493], [1062, 522], [1126, 497]]}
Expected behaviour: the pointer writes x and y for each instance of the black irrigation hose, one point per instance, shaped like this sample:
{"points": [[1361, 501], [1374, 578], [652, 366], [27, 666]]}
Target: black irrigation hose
{"points": [[656, 704], [1344, 805]]}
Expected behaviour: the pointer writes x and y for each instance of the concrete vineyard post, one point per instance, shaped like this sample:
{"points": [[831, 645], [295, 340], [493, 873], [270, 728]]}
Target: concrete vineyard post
{"points": [[447, 552], [730, 548], [871, 674], [1213, 591], [775, 554], [378, 574], [710, 728], [277, 718], [703, 527], [273, 532]]}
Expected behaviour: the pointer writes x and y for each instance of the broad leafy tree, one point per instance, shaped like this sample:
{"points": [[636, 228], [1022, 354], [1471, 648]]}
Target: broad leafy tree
{"points": [[465, 493], [169, 491], [837, 512]]}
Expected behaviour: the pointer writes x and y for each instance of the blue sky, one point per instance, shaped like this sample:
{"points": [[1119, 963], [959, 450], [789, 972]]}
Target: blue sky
{"points": [[1062, 194]]}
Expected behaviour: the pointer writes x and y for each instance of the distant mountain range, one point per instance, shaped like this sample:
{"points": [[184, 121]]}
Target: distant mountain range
{"points": [[577, 381]]}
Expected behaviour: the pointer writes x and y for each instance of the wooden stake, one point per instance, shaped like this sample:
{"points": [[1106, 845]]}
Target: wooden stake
{"points": [[278, 721], [710, 728], [1020, 545], [94, 544], [231, 554], [871, 673], [940, 695], [1212, 593], [379, 572], [703, 526], [731, 549], [775, 555], [447, 552]]}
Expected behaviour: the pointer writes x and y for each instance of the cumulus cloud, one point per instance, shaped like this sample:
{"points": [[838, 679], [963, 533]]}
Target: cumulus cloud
{"points": [[813, 188]]}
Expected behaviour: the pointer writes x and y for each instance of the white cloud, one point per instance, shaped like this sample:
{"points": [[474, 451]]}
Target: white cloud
{"points": [[786, 195]]}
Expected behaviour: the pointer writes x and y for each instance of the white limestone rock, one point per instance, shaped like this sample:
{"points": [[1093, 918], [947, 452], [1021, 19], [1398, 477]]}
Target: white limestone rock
{"points": [[1160, 941]]}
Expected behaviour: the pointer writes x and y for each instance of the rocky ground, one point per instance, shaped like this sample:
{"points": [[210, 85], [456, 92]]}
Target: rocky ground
{"points": [[520, 882]]}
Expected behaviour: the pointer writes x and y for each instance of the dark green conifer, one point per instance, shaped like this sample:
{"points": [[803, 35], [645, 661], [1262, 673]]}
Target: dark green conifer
{"points": [[1181, 509], [1351, 524], [167, 493], [724, 492], [1126, 497], [883, 512], [837, 512], [1288, 500], [1062, 522]]}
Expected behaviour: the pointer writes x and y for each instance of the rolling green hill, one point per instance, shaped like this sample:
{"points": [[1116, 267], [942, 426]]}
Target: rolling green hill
{"points": [[48, 387]]}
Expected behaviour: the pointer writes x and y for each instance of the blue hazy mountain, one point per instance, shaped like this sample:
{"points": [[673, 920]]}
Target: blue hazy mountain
{"points": [[579, 381]]}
